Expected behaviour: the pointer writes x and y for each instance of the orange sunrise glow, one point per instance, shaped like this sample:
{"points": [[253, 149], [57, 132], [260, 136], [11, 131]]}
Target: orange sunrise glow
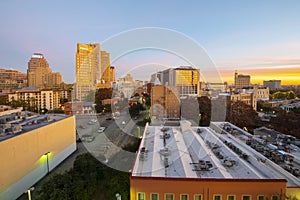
{"points": [[290, 76]]}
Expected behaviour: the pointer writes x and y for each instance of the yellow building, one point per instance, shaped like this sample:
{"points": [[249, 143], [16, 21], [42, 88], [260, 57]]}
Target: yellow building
{"points": [[30, 147], [185, 78], [88, 69], [107, 71], [39, 73], [241, 81]]}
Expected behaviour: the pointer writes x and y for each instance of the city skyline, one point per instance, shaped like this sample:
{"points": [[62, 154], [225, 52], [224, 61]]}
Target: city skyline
{"points": [[260, 39]]}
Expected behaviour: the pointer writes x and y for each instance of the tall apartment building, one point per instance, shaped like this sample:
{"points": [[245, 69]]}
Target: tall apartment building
{"points": [[12, 79], [273, 84], [39, 74], [88, 69], [185, 78], [241, 81], [165, 102]]}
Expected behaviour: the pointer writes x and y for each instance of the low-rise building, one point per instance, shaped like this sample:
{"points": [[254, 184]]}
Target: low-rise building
{"points": [[273, 84], [246, 96], [31, 146], [165, 102], [185, 162], [41, 99], [79, 108], [12, 79]]}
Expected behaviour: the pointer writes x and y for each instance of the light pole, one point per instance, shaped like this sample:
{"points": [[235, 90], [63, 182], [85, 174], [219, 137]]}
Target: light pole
{"points": [[29, 192], [46, 154], [118, 196]]}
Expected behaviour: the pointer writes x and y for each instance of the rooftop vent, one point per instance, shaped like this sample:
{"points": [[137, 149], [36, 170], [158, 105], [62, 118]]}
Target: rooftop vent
{"points": [[166, 162]]}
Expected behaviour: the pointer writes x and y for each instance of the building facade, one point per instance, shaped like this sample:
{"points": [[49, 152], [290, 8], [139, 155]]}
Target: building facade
{"points": [[248, 97], [262, 93], [107, 71], [32, 146], [198, 163], [185, 78], [241, 81], [12, 79], [41, 99], [165, 102], [273, 84], [127, 86], [88, 69], [39, 74]]}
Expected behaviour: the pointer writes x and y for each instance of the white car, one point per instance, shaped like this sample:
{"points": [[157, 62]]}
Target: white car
{"points": [[94, 120], [101, 129]]}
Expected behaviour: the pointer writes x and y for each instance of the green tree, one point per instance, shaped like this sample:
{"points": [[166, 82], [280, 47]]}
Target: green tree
{"points": [[242, 115], [135, 109], [103, 93], [286, 122]]}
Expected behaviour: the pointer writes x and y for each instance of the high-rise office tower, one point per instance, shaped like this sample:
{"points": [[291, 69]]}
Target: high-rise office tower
{"points": [[241, 81], [39, 74], [88, 70], [185, 78], [107, 71]]}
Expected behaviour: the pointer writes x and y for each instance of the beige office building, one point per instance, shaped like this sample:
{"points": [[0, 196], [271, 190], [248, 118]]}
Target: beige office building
{"points": [[12, 79], [40, 75], [241, 81]]}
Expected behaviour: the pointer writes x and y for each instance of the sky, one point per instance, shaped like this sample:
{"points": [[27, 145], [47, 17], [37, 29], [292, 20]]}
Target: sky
{"points": [[259, 38]]}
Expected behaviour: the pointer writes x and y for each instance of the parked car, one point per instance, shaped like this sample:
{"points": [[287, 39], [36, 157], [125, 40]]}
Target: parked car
{"points": [[87, 138], [83, 127], [101, 129]]}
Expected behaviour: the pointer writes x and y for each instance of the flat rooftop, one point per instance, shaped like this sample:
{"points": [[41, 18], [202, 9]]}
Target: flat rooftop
{"points": [[199, 152], [18, 123]]}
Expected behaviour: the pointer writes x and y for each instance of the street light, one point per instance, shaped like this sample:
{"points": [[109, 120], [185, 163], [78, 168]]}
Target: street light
{"points": [[46, 154], [118, 196], [29, 192]]}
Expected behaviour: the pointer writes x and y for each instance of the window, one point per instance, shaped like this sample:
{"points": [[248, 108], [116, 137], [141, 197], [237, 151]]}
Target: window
{"points": [[230, 197], [217, 197], [197, 197], [261, 197], [275, 197], [154, 196], [184, 197], [169, 196], [246, 197], [141, 196]]}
